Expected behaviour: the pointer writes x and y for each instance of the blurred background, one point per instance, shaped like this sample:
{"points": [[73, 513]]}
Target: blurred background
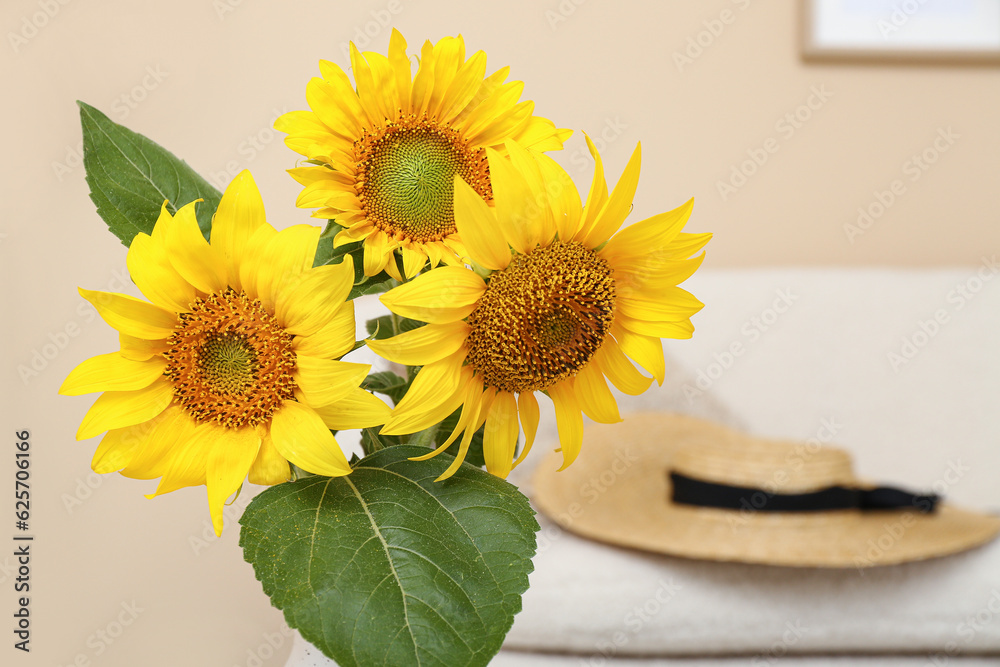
{"points": [[792, 163]]}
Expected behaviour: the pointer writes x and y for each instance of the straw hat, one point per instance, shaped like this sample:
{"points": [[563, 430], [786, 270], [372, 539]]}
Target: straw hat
{"points": [[620, 491]]}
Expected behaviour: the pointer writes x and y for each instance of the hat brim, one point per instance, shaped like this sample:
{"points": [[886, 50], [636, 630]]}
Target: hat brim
{"points": [[618, 492]]}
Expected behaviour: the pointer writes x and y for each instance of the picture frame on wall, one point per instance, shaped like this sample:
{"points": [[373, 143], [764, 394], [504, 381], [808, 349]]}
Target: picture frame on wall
{"points": [[918, 31]]}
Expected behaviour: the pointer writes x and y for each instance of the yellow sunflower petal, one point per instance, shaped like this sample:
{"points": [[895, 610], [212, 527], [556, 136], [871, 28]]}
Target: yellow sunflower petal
{"points": [[240, 213], [541, 134], [527, 165], [500, 435], [116, 409], [598, 194], [569, 421], [401, 66], [112, 372], [527, 410], [356, 409], [413, 261], [517, 211], [686, 245], [680, 329], [671, 305], [444, 295], [646, 277], [334, 100], [477, 225], [155, 276], [191, 255], [254, 255], [229, 461], [614, 211], [270, 467], [302, 438], [334, 340], [424, 345], [477, 403], [595, 399], [431, 397], [647, 351], [307, 305], [132, 316], [323, 381], [138, 349], [613, 363], [649, 235], [187, 461], [378, 253], [119, 445], [469, 396], [373, 98], [423, 82], [463, 87], [168, 431], [449, 54], [562, 196], [286, 254]]}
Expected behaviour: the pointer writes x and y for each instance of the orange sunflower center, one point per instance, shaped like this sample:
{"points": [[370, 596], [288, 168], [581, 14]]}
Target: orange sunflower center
{"points": [[542, 318], [229, 361], [406, 175]]}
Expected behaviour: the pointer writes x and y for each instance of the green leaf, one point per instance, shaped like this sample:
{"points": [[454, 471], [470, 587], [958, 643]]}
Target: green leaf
{"points": [[388, 567], [386, 383], [130, 177], [372, 441]]}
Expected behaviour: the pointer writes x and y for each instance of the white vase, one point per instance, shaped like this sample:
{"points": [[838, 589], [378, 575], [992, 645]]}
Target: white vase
{"points": [[305, 654]]}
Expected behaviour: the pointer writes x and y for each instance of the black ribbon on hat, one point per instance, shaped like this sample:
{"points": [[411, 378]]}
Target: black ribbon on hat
{"points": [[691, 491]]}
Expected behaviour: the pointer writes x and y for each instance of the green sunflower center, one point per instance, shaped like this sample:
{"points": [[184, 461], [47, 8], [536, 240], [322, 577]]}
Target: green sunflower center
{"points": [[406, 174], [542, 318], [229, 361]]}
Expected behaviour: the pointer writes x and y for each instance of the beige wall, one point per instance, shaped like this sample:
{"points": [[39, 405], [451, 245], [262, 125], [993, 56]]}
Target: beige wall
{"points": [[210, 79]]}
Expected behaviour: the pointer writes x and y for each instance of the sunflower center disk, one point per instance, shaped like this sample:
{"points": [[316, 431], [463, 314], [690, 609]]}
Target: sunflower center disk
{"points": [[542, 318], [406, 174], [230, 362]]}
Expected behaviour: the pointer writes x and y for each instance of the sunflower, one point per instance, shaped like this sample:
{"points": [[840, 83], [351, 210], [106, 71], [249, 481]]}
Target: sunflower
{"points": [[387, 153], [557, 303], [227, 373]]}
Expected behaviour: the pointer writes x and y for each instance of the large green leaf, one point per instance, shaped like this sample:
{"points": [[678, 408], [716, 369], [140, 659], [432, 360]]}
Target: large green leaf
{"points": [[388, 567], [130, 177]]}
